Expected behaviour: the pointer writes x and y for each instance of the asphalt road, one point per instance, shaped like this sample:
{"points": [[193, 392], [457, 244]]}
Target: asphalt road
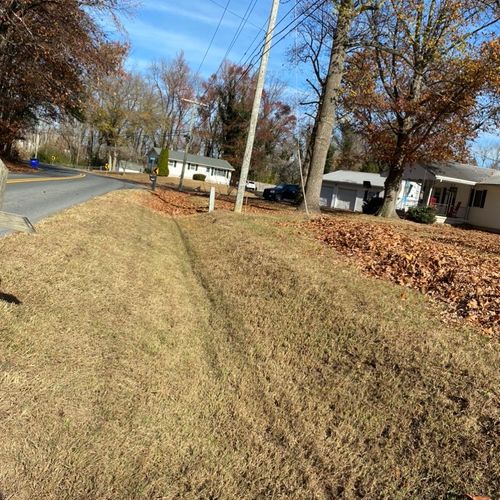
{"points": [[53, 189]]}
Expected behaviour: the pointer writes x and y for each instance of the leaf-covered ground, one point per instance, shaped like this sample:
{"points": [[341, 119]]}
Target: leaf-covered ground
{"points": [[19, 168], [174, 203], [456, 266]]}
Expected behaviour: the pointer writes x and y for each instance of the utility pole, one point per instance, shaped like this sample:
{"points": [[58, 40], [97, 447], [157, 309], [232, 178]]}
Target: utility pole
{"points": [[189, 137], [256, 107]]}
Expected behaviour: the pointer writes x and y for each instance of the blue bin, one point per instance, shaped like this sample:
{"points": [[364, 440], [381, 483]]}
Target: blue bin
{"points": [[34, 162]]}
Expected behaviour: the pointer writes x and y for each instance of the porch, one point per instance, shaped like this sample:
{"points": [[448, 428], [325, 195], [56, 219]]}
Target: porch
{"points": [[449, 199]]}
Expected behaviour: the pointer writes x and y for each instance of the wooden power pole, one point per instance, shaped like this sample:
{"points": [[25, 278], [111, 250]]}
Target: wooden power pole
{"points": [[245, 167]]}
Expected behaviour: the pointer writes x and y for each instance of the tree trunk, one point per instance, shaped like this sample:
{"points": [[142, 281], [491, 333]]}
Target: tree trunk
{"points": [[115, 161], [3, 181], [392, 186], [328, 106]]}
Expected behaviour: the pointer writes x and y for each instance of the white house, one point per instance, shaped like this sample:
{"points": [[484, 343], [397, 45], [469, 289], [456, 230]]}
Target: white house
{"points": [[455, 191], [216, 170], [460, 193]]}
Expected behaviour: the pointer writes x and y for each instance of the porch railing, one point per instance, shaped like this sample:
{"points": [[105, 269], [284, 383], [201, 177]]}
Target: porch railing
{"points": [[457, 212]]}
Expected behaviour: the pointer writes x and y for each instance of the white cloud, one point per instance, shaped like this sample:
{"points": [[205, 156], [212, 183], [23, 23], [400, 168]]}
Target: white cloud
{"points": [[158, 42], [200, 12]]}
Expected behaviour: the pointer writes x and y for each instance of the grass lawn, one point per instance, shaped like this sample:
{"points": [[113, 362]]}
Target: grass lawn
{"points": [[229, 357]]}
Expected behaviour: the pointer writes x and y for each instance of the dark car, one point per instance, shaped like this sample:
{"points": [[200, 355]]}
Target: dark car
{"points": [[289, 192]]}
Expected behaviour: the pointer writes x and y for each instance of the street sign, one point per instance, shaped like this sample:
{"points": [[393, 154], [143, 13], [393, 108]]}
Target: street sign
{"points": [[156, 171]]}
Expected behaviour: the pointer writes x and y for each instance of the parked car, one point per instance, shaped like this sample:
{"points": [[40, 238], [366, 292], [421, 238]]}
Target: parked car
{"points": [[251, 186], [289, 192]]}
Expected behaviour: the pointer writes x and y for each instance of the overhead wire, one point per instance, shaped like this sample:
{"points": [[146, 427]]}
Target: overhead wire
{"points": [[213, 36], [243, 22], [313, 6], [236, 15], [300, 18]]}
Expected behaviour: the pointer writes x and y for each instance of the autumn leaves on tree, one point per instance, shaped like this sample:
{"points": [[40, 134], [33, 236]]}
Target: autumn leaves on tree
{"points": [[48, 52]]}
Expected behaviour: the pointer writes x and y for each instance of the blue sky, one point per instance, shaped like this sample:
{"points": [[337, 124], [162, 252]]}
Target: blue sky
{"points": [[162, 28]]}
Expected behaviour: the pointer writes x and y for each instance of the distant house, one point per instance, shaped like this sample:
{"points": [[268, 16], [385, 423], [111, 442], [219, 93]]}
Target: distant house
{"points": [[460, 193], [348, 190], [216, 170]]}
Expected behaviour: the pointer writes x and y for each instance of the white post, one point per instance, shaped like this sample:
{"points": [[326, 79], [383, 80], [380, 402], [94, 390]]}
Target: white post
{"points": [[211, 203], [429, 195], [245, 167], [3, 182]]}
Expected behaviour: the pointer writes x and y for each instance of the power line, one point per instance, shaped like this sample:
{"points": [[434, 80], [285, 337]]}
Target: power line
{"points": [[243, 22], [237, 15], [253, 41], [250, 62], [259, 47], [213, 36]]}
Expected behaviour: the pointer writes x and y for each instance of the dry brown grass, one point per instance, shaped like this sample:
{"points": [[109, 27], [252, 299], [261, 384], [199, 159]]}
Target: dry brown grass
{"points": [[221, 357]]}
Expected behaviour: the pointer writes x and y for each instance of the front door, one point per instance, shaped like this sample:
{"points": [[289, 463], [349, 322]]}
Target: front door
{"points": [[450, 199]]}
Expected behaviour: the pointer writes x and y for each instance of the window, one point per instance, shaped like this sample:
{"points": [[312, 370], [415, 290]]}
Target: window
{"points": [[477, 198], [219, 171]]}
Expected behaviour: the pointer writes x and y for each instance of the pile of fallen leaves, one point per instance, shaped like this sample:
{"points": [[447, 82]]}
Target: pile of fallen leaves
{"points": [[177, 203], [459, 267], [17, 167]]}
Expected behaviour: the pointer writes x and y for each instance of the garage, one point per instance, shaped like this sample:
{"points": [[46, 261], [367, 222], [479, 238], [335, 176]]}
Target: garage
{"points": [[326, 196], [346, 199]]}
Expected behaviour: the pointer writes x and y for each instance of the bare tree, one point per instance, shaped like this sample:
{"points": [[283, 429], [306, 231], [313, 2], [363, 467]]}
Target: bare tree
{"points": [[173, 81]]}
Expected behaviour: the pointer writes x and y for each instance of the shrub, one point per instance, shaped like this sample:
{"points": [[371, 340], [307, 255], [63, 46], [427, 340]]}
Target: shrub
{"points": [[163, 163], [423, 215], [51, 155], [373, 205], [199, 177]]}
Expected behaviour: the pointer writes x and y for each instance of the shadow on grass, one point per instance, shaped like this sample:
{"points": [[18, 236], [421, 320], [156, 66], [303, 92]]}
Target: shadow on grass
{"points": [[11, 299]]}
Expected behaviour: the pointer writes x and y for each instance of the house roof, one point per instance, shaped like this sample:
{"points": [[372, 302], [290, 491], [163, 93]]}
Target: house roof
{"points": [[493, 180], [205, 161], [459, 173], [357, 178]]}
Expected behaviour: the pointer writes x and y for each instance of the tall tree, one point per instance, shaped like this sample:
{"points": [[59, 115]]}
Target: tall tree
{"points": [[427, 84], [48, 51], [345, 13], [173, 82], [224, 122]]}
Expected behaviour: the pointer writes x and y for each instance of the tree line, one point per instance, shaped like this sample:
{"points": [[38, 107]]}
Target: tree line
{"points": [[391, 82]]}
